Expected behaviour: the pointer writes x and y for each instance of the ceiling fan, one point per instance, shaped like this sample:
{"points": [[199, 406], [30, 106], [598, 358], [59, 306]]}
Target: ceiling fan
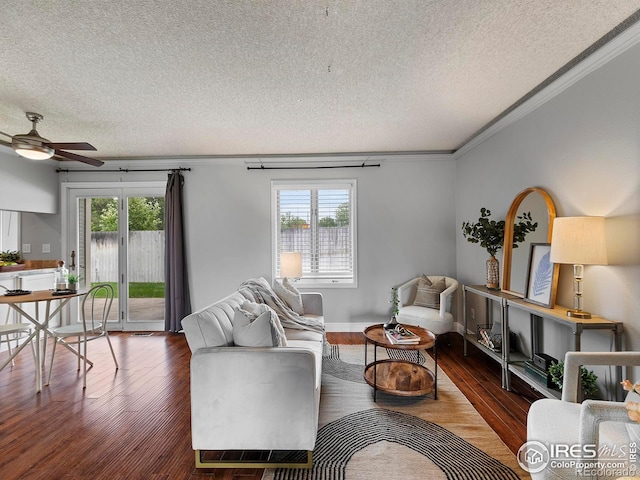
{"points": [[32, 145]]}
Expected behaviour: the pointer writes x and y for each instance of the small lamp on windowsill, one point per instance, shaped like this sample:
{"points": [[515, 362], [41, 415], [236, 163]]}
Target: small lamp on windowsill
{"points": [[579, 241], [291, 265]]}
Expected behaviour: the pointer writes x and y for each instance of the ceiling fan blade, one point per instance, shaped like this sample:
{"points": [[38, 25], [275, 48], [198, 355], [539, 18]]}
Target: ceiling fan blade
{"points": [[79, 158], [10, 136], [71, 146]]}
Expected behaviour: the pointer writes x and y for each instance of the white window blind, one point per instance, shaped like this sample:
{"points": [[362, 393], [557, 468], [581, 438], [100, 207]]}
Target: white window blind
{"points": [[317, 219]]}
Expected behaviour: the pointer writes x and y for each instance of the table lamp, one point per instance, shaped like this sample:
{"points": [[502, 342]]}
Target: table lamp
{"points": [[291, 265], [579, 241]]}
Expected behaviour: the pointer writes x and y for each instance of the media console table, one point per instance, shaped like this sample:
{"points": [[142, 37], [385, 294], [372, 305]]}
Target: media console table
{"points": [[513, 362]]}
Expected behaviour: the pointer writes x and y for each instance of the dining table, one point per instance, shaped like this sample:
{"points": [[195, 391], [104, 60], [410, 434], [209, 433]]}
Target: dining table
{"points": [[16, 300]]}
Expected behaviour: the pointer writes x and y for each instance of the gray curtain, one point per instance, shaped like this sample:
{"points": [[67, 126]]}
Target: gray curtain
{"points": [[177, 298]]}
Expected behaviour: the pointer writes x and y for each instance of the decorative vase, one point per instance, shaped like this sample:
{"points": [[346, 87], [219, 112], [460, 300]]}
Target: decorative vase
{"points": [[391, 324], [493, 273], [72, 286]]}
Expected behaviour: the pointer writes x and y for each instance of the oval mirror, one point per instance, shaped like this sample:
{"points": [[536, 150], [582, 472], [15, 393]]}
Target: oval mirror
{"points": [[515, 261]]}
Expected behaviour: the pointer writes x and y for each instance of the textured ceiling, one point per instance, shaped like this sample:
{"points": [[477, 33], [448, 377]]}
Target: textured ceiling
{"points": [[158, 78]]}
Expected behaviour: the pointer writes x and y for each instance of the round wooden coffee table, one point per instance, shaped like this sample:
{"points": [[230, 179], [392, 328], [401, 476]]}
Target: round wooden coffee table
{"points": [[400, 377]]}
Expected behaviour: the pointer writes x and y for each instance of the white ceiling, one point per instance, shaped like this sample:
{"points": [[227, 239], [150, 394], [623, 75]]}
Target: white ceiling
{"points": [[167, 78]]}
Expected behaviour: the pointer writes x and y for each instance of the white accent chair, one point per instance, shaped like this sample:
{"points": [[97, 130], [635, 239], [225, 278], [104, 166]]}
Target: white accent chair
{"points": [[601, 423], [95, 308], [437, 321]]}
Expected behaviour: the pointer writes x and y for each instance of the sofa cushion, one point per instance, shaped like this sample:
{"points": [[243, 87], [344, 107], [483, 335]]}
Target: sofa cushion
{"points": [[428, 293], [289, 294], [316, 349], [306, 335], [257, 325]]}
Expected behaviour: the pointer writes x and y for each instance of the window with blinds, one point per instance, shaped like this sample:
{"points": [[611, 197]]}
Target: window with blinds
{"points": [[318, 220]]}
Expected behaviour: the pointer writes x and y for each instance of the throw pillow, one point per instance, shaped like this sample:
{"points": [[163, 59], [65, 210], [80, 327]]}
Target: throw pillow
{"points": [[251, 332], [257, 325], [289, 294], [428, 294]]}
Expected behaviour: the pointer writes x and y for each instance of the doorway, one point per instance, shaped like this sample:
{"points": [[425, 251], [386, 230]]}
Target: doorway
{"points": [[116, 236]]}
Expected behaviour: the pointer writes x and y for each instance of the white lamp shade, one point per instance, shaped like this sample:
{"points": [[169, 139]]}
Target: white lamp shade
{"points": [[291, 264], [579, 241]]}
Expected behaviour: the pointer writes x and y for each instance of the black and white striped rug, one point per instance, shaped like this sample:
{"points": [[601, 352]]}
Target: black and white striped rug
{"points": [[340, 440], [356, 434]]}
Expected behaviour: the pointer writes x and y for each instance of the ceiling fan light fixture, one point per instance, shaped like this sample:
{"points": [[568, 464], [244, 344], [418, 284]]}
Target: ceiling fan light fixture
{"points": [[32, 145], [33, 152]]}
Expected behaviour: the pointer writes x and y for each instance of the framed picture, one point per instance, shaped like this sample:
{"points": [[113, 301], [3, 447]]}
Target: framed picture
{"points": [[542, 276]]}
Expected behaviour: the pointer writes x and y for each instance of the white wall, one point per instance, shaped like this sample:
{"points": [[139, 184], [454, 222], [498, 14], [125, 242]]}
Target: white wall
{"points": [[583, 147], [406, 215], [406, 226], [26, 185], [39, 229]]}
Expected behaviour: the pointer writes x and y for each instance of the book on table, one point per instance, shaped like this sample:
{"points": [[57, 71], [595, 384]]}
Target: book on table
{"points": [[402, 336]]}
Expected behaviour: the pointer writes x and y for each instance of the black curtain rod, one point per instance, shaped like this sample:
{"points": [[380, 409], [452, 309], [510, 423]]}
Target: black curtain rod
{"points": [[127, 170], [262, 167]]}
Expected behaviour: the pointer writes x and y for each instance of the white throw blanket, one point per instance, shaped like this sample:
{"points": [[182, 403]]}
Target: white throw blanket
{"points": [[289, 319], [262, 291]]}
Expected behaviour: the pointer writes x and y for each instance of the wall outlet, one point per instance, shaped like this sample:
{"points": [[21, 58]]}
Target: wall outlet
{"points": [[46, 248], [473, 313], [26, 248]]}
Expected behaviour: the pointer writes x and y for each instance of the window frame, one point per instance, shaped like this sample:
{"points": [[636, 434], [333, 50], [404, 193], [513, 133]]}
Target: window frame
{"points": [[316, 184]]}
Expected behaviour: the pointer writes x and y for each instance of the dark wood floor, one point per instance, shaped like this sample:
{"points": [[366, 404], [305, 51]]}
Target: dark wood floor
{"points": [[135, 423]]}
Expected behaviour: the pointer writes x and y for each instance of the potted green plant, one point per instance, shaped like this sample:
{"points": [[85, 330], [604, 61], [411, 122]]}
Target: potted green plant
{"points": [[490, 235], [72, 281], [9, 261], [588, 379], [394, 301]]}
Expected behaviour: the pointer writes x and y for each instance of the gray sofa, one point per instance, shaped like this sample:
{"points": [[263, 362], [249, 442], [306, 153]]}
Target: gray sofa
{"points": [[252, 398]]}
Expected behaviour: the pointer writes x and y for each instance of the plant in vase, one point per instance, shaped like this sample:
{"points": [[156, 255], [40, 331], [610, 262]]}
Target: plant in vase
{"points": [[490, 235], [72, 281], [391, 324], [9, 258], [10, 261], [588, 379]]}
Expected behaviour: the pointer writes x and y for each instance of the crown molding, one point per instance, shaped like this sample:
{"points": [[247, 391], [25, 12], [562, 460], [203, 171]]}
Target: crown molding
{"points": [[267, 160], [584, 64]]}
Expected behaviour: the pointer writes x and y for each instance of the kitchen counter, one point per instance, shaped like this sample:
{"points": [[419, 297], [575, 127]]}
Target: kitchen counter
{"points": [[25, 273], [31, 267], [28, 279]]}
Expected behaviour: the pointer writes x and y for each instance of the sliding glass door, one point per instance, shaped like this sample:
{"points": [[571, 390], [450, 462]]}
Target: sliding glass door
{"points": [[117, 237]]}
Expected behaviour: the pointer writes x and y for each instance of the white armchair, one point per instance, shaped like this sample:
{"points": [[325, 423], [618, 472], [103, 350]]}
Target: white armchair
{"points": [[594, 425], [437, 321]]}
